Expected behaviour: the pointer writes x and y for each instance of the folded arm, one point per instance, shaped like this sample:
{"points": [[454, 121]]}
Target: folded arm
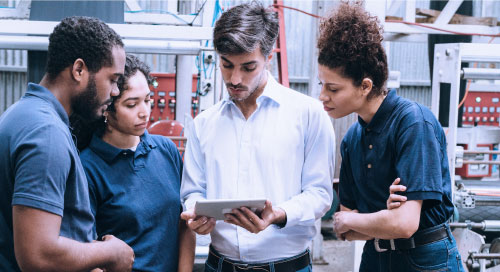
{"points": [[401, 222]]}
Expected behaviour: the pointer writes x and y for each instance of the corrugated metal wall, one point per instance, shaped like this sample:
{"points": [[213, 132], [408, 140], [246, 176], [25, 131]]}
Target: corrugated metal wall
{"points": [[13, 76]]}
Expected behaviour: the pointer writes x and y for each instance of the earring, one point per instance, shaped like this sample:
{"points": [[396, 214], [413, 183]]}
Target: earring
{"points": [[105, 118]]}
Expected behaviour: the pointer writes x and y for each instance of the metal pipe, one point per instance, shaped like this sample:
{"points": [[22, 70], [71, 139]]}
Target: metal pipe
{"points": [[482, 162], [183, 87], [480, 73], [485, 256], [492, 152], [470, 225], [38, 43]]}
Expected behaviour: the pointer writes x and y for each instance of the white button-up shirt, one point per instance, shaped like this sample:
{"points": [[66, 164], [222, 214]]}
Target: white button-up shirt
{"points": [[284, 152]]}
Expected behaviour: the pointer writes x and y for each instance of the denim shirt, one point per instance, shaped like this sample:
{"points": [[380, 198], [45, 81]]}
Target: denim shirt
{"points": [[404, 140], [134, 195]]}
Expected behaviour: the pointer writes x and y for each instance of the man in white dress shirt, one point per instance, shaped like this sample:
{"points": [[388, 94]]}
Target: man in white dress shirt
{"points": [[264, 141]]}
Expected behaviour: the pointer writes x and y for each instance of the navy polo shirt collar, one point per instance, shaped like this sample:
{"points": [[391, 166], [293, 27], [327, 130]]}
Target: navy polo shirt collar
{"points": [[382, 115], [108, 152], [43, 93]]}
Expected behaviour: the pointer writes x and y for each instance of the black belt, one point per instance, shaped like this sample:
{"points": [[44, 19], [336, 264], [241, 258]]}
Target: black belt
{"points": [[294, 264], [419, 239]]}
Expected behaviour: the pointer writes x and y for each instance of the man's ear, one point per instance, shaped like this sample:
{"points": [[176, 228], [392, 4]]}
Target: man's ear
{"points": [[79, 70], [366, 85]]}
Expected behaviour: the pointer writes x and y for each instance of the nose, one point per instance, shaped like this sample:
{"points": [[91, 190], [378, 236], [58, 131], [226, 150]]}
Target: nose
{"points": [[322, 95], [235, 77], [144, 110], [114, 90]]}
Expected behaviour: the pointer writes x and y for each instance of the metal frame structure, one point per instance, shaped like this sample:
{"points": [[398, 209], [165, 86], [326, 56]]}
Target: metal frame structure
{"points": [[147, 34], [400, 31], [447, 69]]}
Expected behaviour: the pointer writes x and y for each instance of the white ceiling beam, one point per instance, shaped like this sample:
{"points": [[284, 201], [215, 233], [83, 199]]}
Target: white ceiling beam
{"points": [[449, 10], [148, 32], [133, 5], [410, 11], [164, 19], [402, 28], [395, 5]]}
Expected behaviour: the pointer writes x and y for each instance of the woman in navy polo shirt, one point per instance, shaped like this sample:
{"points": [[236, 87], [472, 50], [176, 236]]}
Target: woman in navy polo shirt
{"points": [[134, 180], [393, 137]]}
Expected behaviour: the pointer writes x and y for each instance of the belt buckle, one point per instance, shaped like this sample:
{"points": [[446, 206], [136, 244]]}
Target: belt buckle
{"points": [[377, 246], [376, 243]]}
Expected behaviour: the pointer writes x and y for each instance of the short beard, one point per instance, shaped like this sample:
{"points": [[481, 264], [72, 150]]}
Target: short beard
{"points": [[250, 93], [86, 103]]}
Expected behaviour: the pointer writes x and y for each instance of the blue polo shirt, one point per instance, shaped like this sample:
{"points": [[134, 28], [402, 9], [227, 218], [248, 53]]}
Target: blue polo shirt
{"points": [[40, 168], [135, 196], [404, 140]]}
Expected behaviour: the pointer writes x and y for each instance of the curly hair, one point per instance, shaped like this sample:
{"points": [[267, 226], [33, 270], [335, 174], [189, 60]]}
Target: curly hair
{"points": [[81, 37], [244, 27], [132, 65], [351, 39]]}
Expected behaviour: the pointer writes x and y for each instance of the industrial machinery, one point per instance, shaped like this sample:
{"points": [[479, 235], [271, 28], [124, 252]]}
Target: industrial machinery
{"points": [[163, 97], [472, 146]]}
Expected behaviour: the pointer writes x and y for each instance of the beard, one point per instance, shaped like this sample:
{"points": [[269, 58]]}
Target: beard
{"points": [[86, 104], [245, 88]]}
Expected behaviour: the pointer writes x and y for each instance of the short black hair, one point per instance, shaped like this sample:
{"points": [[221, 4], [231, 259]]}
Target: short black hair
{"points": [[243, 28], [87, 38], [351, 39], [132, 65]]}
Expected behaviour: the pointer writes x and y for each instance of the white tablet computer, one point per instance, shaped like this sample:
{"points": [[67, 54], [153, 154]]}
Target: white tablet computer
{"points": [[216, 208]]}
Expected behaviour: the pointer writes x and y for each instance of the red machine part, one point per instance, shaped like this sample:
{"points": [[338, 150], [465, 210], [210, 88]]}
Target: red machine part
{"points": [[163, 98], [481, 108], [476, 170]]}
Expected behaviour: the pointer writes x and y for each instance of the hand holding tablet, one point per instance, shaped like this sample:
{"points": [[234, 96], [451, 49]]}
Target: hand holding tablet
{"points": [[216, 208]]}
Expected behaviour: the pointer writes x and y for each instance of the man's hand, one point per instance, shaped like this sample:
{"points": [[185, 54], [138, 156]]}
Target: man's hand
{"points": [[124, 255], [394, 200], [201, 225], [340, 223], [250, 221]]}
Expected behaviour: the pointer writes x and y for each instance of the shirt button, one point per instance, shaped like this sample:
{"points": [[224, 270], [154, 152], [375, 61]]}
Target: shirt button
{"points": [[370, 146], [124, 153], [369, 166]]}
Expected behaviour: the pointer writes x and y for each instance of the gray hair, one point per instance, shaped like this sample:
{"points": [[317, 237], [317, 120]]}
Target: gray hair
{"points": [[243, 28]]}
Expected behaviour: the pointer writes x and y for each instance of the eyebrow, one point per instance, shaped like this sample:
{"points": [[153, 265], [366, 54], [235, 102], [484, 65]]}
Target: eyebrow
{"points": [[136, 98], [243, 64], [335, 84]]}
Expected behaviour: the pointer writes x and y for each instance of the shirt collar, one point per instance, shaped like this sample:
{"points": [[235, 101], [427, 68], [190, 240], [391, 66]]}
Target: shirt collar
{"points": [[272, 91], [383, 113], [43, 93], [108, 152]]}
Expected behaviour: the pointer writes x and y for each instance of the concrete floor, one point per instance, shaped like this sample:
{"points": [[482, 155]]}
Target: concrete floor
{"points": [[337, 257]]}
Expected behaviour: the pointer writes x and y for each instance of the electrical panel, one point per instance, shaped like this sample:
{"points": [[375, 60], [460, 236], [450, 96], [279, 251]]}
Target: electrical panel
{"points": [[481, 108], [163, 97]]}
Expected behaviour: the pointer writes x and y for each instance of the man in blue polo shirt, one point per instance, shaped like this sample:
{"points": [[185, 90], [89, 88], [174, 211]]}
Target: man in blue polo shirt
{"points": [[393, 137], [44, 201]]}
